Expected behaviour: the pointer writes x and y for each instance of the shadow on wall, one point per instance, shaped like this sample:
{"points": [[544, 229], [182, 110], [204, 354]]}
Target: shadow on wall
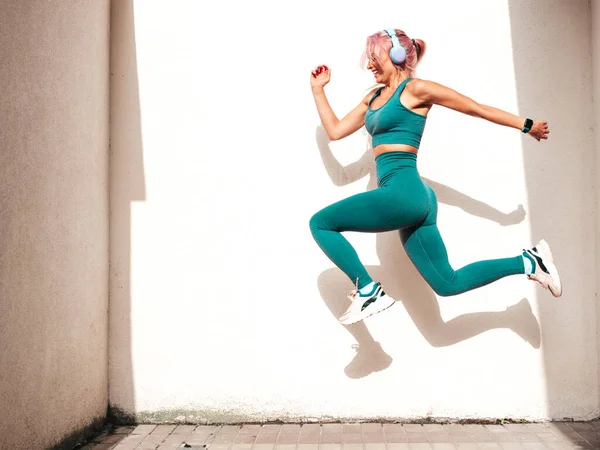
{"points": [[127, 185], [552, 61], [404, 283]]}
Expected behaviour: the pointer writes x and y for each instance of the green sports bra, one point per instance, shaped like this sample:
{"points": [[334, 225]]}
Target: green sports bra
{"points": [[394, 123]]}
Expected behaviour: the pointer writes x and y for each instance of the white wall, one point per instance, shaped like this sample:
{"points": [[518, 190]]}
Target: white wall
{"points": [[53, 221], [222, 305]]}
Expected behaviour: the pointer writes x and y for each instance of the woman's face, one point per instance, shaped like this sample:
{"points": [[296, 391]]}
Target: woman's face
{"points": [[381, 66]]}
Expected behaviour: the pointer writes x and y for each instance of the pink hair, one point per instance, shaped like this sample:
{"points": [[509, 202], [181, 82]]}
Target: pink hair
{"points": [[381, 41]]}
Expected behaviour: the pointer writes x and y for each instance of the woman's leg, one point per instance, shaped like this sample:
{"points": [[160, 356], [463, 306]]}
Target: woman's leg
{"points": [[426, 249], [375, 211], [383, 209]]}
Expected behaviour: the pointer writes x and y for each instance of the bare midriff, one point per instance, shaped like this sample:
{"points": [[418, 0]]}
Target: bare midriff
{"points": [[387, 148]]}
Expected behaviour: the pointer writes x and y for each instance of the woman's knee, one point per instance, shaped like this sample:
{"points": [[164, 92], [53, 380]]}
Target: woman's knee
{"points": [[444, 285], [444, 289], [318, 222]]}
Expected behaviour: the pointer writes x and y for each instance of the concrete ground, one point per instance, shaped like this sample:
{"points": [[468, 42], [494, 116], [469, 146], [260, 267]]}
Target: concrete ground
{"points": [[354, 436]]}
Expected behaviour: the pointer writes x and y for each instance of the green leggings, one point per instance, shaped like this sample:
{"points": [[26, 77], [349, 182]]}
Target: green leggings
{"points": [[402, 202]]}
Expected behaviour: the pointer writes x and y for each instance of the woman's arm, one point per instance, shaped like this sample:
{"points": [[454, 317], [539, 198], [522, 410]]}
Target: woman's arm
{"points": [[433, 93], [335, 128]]}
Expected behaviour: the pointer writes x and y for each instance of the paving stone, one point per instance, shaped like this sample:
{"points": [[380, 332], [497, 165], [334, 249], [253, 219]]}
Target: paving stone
{"points": [[443, 446], [398, 446], [374, 446], [143, 429], [352, 438]]}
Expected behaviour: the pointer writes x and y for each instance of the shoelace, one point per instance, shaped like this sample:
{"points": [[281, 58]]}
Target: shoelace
{"points": [[352, 295]]}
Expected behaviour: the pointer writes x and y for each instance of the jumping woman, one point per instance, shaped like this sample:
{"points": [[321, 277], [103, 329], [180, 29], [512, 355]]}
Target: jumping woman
{"points": [[394, 115]]}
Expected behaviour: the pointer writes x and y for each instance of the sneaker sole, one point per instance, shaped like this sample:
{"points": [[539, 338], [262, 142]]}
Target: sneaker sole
{"points": [[555, 286], [378, 306]]}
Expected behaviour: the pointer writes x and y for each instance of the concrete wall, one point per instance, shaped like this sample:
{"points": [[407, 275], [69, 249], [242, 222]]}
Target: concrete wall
{"points": [[53, 220], [595, 41], [553, 72], [127, 186], [223, 307]]}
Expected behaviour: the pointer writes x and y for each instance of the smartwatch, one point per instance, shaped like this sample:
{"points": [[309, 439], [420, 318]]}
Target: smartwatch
{"points": [[527, 126]]}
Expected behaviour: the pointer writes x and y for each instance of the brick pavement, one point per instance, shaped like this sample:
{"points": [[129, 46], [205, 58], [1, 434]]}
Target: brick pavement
{"points": [[353, 436]]}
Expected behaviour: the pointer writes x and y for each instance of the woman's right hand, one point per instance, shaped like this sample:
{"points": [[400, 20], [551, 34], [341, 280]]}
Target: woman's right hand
{"points": [[320, 77]]}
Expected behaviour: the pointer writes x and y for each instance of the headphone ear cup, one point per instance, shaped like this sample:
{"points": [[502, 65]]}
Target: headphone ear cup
{"points": [[398, 55]]}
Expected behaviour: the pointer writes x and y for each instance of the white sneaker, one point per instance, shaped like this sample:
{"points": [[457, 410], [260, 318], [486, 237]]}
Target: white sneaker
{"points": [[546, 272], [365, 306]]}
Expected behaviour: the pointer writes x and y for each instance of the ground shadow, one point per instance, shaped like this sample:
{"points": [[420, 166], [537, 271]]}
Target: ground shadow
{"points": [[127, 185], [404, 283]]}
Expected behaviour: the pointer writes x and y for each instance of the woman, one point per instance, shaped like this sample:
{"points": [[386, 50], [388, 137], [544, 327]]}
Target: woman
{"points": [[395, 116]]}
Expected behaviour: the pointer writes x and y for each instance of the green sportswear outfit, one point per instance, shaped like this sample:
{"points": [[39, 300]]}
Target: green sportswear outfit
{"points": [[402, 202]]}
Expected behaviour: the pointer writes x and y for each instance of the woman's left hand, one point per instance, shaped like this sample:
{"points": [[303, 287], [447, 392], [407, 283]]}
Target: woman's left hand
{"points": [[539, 130]]}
